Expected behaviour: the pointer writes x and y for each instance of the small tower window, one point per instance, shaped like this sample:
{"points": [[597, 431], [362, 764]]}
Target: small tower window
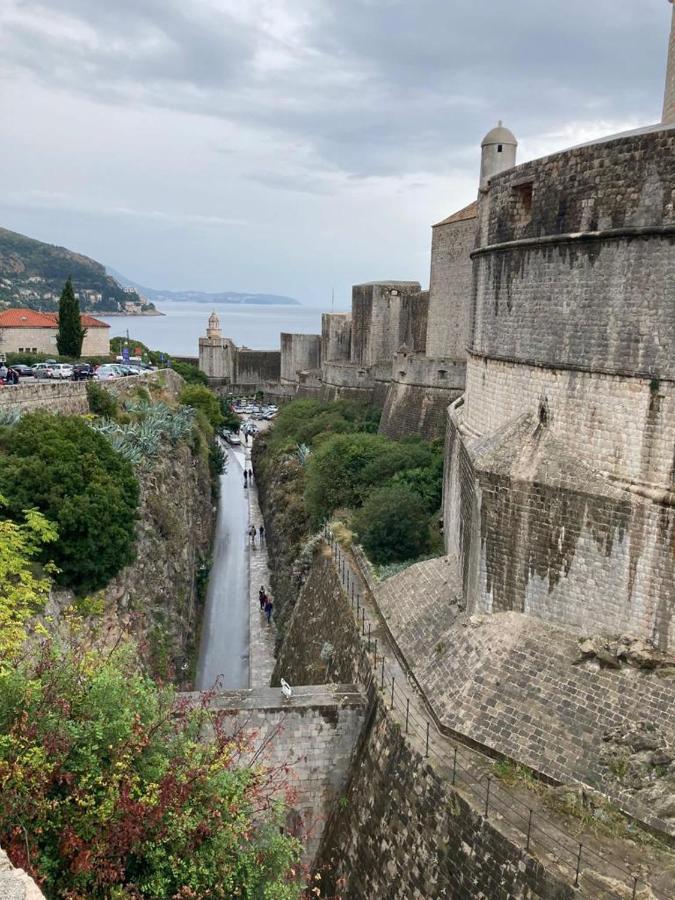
{"points": [[499, 148]]}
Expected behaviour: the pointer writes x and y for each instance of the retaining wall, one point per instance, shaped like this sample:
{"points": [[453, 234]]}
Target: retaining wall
{"points": [[312, 735], [70, 397]]}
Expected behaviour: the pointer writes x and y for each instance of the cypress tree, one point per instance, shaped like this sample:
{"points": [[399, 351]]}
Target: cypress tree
{"points": [[70, 335]]}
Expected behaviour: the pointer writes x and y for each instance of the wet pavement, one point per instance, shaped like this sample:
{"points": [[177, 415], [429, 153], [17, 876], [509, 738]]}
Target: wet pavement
{"points": [[224, 649]]}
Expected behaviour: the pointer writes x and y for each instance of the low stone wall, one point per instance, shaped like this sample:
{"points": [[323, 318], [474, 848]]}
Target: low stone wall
{"points": [[310, 735], [70, 397]]}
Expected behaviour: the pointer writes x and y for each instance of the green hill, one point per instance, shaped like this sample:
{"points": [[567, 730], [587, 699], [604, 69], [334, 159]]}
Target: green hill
{"points": [[32, 274]]}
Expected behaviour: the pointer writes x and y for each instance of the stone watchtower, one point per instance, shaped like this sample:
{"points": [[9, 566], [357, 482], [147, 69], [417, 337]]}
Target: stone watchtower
{"points": [[669, 95], [498, 152], [213, 328]]}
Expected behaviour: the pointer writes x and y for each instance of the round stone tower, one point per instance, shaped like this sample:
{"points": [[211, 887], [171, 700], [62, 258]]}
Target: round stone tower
{"points": [[213, 329], [498, 152]]}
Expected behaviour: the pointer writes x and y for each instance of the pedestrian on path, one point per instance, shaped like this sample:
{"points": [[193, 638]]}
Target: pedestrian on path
{"points": [[262, 597], [261, 532], [251, 534], [250, 475], [269, 606], [245, 479]]}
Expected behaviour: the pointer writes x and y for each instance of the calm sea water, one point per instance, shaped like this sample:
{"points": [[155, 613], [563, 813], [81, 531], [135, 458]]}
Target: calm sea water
{"points": [[179, 329]]}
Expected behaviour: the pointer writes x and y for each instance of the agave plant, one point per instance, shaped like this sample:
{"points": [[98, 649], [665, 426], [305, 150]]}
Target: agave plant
{"points": [[302, 453], [9, 416], [140, 440]]}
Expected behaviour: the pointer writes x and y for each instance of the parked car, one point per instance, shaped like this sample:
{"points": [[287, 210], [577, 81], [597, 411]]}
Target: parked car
{"points": [[23, 370], [61, 371], [233, 439], [83, 372], [106, 372], [42, 370]]}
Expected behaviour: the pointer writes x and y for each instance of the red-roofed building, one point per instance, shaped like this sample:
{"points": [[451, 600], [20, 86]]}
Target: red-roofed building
{"points": [[29, 331]]}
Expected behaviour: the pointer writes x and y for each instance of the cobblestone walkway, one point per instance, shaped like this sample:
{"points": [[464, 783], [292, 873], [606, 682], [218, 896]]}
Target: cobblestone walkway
{"points": [[262, 635]]}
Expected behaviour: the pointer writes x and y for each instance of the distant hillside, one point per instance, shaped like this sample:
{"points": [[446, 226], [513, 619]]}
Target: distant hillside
{"points": [[159, 296], [32, 274]]}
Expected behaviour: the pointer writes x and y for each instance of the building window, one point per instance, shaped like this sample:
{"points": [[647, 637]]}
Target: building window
{"points": [[499, 148], [20, 349]]}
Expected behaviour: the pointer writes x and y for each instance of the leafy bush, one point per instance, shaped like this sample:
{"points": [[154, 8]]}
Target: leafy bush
{"points": [[199, 397], [101, 402], [23, 591], [71, 474], [393, 525], [190, 373], [108, 791], [335, 472]]}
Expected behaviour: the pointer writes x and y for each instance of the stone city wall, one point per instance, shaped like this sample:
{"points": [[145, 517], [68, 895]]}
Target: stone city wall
{"points": [[419, 394], [600, 302], [399, 831], [449, 322], [336, 337], [523, 688], [614, 183], [257, 366], [299, 352], [386, 316], [312, 735], [70, 397], [535, 530], [583, 410]]}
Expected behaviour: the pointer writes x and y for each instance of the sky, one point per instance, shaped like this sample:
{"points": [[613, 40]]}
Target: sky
{"points": [[295, 146]]}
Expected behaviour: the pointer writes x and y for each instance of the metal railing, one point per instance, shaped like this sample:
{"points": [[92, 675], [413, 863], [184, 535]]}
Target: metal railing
{"points": [[488, 793]]}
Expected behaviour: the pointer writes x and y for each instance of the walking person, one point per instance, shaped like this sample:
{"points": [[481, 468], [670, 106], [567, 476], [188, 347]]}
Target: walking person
{"points": [[269, 606], [262, 597], [245, 478], [261, 532], [251, 534], [250, 475]]}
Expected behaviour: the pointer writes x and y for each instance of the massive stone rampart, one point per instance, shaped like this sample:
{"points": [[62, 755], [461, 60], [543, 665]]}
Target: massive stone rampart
{"points": [[559, 494]]}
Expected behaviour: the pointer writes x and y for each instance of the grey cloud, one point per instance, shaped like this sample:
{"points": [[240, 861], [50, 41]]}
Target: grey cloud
{"points": [[379, 86]]}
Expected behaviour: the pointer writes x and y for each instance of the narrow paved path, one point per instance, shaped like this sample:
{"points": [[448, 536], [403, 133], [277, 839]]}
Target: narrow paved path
{"points": [[224, 648]]}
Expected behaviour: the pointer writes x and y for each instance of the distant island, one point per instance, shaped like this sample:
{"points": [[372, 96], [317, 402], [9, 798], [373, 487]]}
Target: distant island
{"points": [[163, 296], [32, 274]]}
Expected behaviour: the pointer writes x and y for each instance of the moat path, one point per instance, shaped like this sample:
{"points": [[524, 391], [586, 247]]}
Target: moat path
{"points": [[237, 645]]}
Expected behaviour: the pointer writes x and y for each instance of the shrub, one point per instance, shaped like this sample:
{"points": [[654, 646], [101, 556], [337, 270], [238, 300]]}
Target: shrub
{"points": [[71, 474], [101, 402], [23, 591], [392, 525], [108, 791], [335, 472], [190, 373], [199, 397]]}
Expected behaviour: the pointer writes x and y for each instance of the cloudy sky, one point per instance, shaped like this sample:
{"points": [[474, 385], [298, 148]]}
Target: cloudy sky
{"points": [[293, 146]]}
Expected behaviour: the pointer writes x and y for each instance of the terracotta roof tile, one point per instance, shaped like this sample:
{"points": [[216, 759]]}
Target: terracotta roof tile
{"points": [[30, 318], [469, 212]]}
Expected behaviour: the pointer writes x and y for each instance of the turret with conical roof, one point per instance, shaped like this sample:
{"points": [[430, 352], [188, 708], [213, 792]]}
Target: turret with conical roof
{"points": [[498, 152]]}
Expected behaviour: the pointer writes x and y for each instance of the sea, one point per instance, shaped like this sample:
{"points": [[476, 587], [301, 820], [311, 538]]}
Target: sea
{"points": [[177, 332]]}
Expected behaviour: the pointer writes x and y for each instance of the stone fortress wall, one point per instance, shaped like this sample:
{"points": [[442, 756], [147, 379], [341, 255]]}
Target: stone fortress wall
{"points": [[299, 353], [559, 495]]}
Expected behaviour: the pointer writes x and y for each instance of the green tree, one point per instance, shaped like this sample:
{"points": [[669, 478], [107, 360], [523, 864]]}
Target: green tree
{"points": [[73, 476], [334, 472], [392, 525], [23, 589], [199, 397], [109, 789], [70, 335]]}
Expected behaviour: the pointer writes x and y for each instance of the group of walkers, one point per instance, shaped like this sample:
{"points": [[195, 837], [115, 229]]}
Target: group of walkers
{"points": [[260, 532], [8, 376], [248, 477], [266, 603]]}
